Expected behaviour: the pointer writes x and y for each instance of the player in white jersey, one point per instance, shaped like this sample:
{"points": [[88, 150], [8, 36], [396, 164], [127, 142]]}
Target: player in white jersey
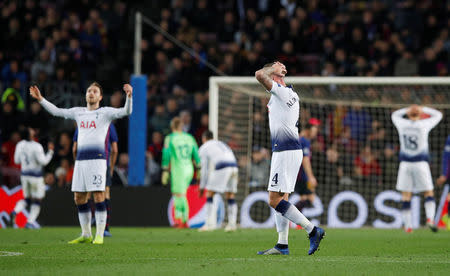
{"points": [[287, 157], [219, 174], [414, 173], [90, 166], [31, 157]]}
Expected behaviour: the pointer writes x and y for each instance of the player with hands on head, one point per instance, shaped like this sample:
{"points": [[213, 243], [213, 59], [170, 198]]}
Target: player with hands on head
{"points": [[90, 165], [414, 173], [284, 112]]}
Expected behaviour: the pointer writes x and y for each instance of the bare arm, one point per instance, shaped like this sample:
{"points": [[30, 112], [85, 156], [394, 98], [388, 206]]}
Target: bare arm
{"points": [[263, 76], [17, 153], [113, 157], [306, 164]]}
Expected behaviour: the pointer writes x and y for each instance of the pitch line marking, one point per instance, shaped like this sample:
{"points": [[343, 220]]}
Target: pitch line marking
{"points": [[9, 253]]}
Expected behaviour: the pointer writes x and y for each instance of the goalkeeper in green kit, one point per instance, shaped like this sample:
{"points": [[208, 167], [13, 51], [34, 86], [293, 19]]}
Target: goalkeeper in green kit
{"points": [[179, 150]]}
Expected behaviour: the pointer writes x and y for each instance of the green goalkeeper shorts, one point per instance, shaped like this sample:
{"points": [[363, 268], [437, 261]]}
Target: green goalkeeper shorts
{"points": [[180, 181]]}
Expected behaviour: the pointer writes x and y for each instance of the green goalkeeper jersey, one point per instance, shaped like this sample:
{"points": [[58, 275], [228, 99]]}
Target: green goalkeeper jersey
{"points": [[179, 150]]}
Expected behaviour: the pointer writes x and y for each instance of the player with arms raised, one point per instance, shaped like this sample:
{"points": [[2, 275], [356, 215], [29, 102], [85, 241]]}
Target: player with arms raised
{"points": [[287, 157], [414, 173], [90, 166]]}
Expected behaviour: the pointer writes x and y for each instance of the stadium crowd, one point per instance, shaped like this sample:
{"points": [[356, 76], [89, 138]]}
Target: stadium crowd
{"points": [[64, 45]]}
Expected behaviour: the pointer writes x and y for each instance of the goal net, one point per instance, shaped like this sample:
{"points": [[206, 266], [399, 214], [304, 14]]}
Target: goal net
{"points": [[354, 157]]}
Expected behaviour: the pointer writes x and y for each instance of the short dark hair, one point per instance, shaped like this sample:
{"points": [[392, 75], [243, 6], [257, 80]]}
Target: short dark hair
{"points": [[269, 64], [25, 134], [98, 85], [208, 134]]}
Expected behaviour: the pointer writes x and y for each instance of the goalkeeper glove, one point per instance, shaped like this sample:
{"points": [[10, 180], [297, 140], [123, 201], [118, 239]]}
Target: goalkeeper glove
{"points": [[165, 177]]}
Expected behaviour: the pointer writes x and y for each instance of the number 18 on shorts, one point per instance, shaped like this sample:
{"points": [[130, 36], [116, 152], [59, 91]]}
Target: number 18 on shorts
{"points": [[89, 175]]}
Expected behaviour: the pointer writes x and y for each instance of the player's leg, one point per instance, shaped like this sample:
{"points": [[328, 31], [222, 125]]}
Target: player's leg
{"points": [[424, 182], [21, 204], [231, 211], [210, 220], [405, 186], [430, 209], [108, 202], [100, 216], [230, 192], [37, 194], [84, 216]]}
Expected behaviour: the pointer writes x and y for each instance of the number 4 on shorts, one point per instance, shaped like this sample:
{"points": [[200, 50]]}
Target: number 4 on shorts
{"points": [[275, 178]]}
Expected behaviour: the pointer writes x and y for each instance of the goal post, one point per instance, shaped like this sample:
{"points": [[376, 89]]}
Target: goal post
{"points": [[354, 157]]}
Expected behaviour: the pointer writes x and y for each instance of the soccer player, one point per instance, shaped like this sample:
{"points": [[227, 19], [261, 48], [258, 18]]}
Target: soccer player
{"points": [[30, 155], [286, 158], [179, 150], [445, 175], [219, 174], [306, 181], [111, 152], [90, 166], [414, 173]]}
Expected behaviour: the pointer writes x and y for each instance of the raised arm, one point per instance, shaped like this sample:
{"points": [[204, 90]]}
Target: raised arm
{"points": [[263, 75], [397, 116], [51, 108], [435, 116], [117, 113], [44, 159]]}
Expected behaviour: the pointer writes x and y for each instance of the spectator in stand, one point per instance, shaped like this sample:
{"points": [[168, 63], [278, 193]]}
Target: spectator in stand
{"points": [[366, 166], [12, 95], [42, 65], [10, 120], [204, 123], [160, 120], [406, 65], [260, 168], [120, 175], [359, 122], [37, 118], [10, 73]]}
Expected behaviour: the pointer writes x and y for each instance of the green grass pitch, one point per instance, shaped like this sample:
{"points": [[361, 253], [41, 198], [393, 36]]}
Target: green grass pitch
{"points": [[164, 251]]}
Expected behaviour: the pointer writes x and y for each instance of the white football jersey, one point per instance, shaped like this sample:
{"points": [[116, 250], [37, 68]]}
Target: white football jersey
{"points": [[284, 110], [214, 155], [30, 155], [413, 135], [92, 126]]}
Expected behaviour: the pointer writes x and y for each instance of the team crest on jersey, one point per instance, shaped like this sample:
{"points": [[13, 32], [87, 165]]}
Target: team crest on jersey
{"points": [[88, 124]]}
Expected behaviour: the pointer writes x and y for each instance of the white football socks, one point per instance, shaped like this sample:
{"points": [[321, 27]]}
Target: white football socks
{"points": [[407, 220], [232, 214], [100, 220], [34, 212], [282, 224], [85, 223], [294, 215], [430, 209], [20, 206]]}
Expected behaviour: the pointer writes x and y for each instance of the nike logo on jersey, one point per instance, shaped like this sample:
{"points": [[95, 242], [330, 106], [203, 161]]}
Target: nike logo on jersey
{"points": [[88, 124], [273, 185], [291, 102]]}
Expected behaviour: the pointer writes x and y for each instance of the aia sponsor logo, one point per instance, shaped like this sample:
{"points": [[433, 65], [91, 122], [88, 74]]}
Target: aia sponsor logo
{"points": [[197, 211], [88, 124], [8, 200]]}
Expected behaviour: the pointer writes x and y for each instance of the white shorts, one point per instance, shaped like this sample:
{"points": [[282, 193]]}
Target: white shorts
{"points": [[33, 187], [414, 177], [284, 170], [223, 180], [89, 175]]}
